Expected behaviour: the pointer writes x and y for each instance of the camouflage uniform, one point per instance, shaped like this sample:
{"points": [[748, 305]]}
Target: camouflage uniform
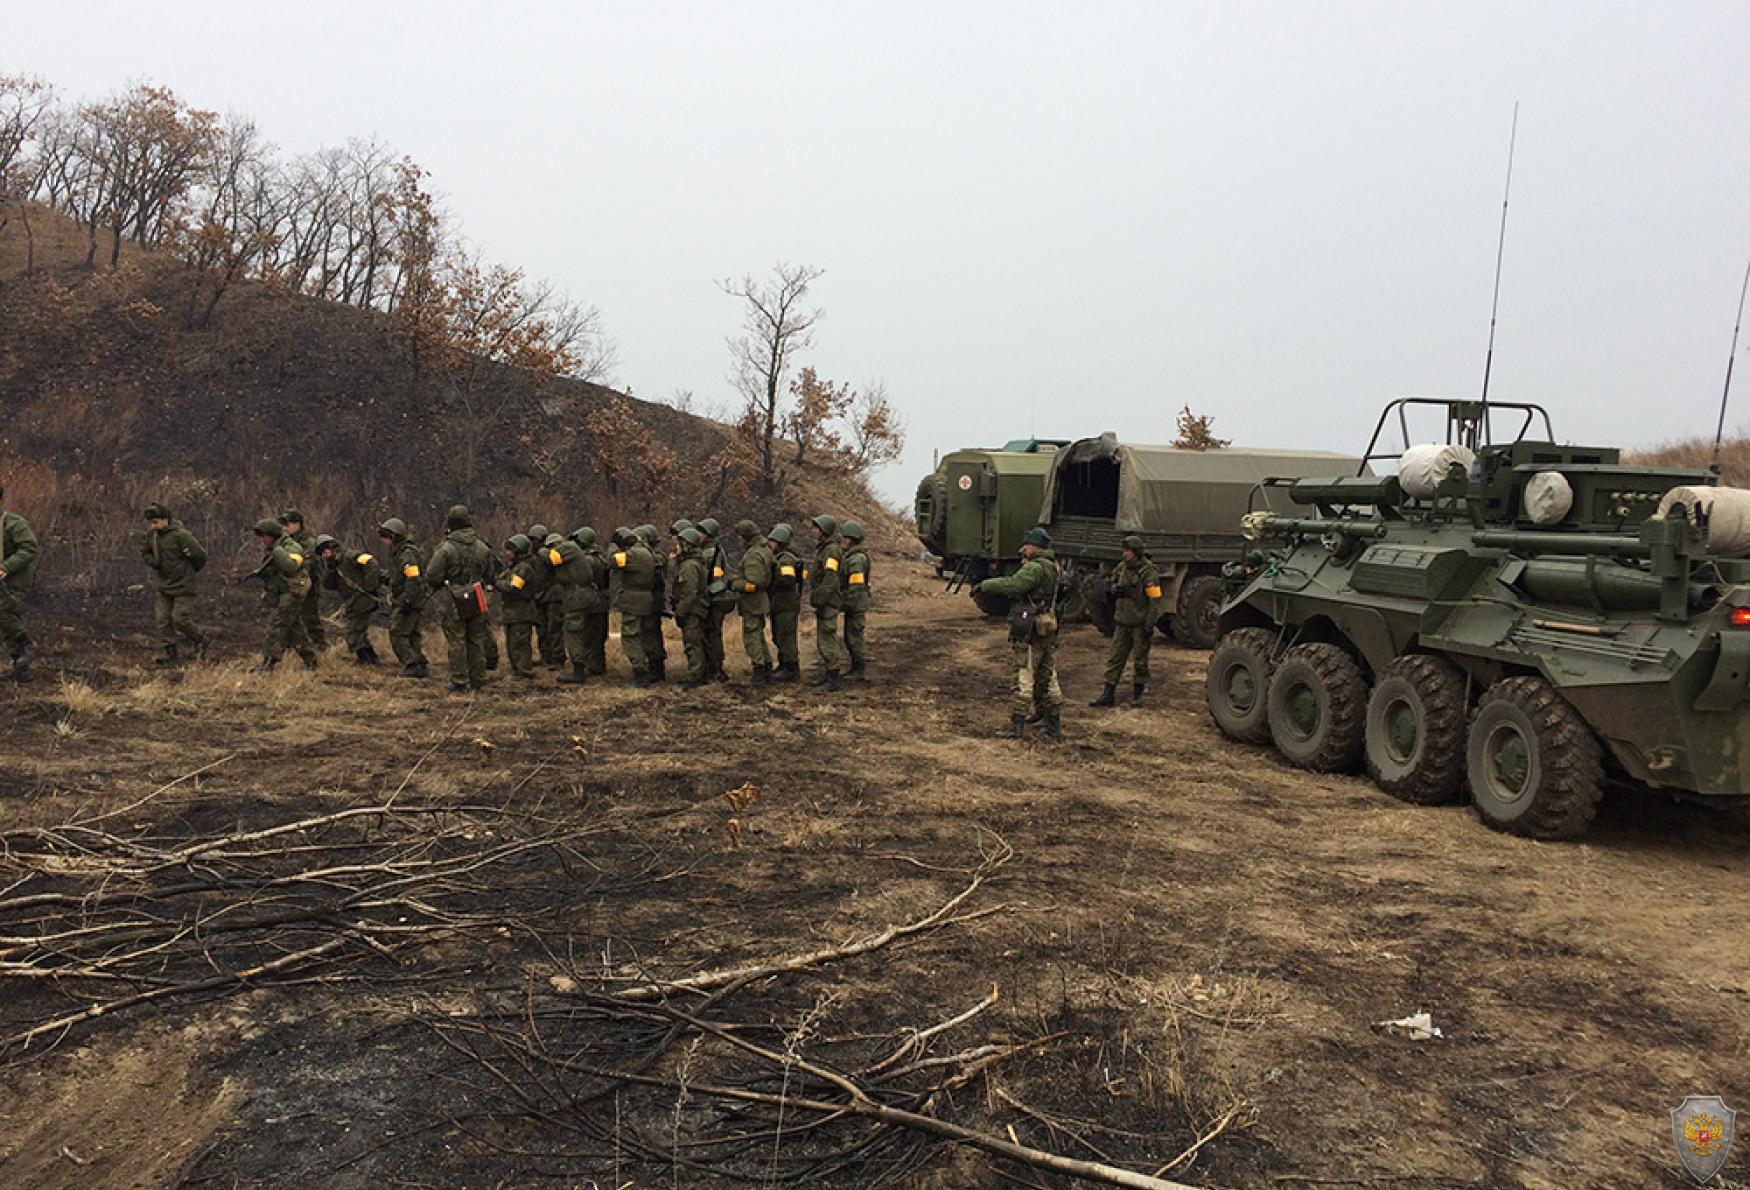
{"points": [[549, 615], [285, 586], [18, 551], [516, 605], [636, 601], [176, 557], [1034, 654], [655, 648], [825, 595], [578, 573], [312, 609], [595, 603], [1136, 586], [856, 599], [692, 604], [753, 598], [786, 602], [407, 595], [721, 599], [358, 578], [460, 561]]}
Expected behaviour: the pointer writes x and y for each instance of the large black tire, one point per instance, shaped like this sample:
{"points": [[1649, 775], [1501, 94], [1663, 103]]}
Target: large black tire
{"points": [[1237, 684], [992, 605], [1535, 768], [1415, 730], [1199, 616], [1318, 708], [933, 529]]}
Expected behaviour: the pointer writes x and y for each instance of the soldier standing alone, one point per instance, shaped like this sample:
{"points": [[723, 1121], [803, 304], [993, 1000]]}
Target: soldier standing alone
{"points": [[17, 568], [358, 578], [1032, 635], [825, 595], [753, 597], [786, 602], [459, 568], [285, 585], [1136, 585], [856, 599], [407, 595], [176, 557]]}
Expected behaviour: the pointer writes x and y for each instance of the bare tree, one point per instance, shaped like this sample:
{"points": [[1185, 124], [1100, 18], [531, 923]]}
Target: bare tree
{"points": [[877, 430], [234, 218], [777, 324], [24, 103]]}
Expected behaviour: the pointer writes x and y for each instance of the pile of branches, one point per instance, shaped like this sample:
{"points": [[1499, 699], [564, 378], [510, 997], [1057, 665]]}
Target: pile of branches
{"points": [[109, 922]]}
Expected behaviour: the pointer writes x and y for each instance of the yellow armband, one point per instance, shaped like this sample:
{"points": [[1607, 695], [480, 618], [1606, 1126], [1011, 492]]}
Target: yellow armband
{"points": [[832, 564], [1153, 592], [410, 570], [858, 579], [516, 581], [363, 559], [620, 561], [787, 571]]}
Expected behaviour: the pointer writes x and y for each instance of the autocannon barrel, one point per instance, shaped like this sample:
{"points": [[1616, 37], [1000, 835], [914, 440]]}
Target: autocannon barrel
{"points": [[1619, 544], [1257, 525]]}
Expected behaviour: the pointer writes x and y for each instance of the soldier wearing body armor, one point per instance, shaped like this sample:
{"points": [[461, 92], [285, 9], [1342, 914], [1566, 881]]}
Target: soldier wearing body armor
{"points": [[358, 578], [516, 603], [636, 602], [722, 598], [692, 603], [407, 595], [1032, 635], [787, 573], [549, 613], [457, 575], [292, 521], [855, 577], [655, 648], [285, 585], [753, 598], [825, 596], [1136, 596]]}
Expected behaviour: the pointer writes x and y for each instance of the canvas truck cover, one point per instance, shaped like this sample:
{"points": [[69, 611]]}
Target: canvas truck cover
{"points": [[1162, 489]]}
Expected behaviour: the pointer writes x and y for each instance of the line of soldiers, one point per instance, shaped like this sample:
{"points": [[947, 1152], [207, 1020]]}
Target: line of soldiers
{"points": [[555, 594]]}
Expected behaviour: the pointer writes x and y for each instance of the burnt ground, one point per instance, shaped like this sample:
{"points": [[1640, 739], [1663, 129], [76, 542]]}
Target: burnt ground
{"points": [[1187, 939]]}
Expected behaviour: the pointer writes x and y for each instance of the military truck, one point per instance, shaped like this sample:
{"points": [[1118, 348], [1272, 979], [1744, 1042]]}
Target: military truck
{"points": [[973, 509], [1506, 618]]}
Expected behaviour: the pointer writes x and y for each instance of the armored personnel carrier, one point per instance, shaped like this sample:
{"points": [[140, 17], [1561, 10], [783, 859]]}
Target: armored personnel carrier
{"points": [[1506, 618]]}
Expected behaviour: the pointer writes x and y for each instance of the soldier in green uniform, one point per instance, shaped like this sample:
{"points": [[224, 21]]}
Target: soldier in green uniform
{"points": [[636, 601], [1032, 634], [358, 579], [285, 585], [457, 573], [786, 602], [1136, 587], [549, 615], [855, 576], [293, 522], [692, 603], [595, 603], [753, 586], [18, 550], [654, 646], [516, 604], [172, 553], [574, 577], [407, 595], [825, 595], [722, 598]]}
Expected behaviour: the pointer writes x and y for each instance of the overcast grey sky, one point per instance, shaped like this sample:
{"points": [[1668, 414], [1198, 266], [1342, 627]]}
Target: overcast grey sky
{"points": [[1054, 217]]}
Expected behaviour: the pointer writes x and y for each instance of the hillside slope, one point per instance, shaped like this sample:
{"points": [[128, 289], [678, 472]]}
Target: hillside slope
{"points": [[288, 400]]}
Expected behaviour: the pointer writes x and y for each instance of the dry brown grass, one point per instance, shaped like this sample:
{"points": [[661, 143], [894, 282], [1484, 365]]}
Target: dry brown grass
{"points": [[1697, 452]]}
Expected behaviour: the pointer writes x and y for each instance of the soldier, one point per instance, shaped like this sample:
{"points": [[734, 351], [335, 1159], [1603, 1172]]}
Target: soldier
{"points": [[285, 584], [786, 602], [173, 553], [654, 646], [293, 522], [825, 596], [692, 603], [636, 600], [1136, 587], [457, 572], [358, 578], [549, 615], [722, 598], [855, 574], [516, 604], [573, 579], [1032, 634], [18, 551], [407, 595], [595, 603], [753, 598]]}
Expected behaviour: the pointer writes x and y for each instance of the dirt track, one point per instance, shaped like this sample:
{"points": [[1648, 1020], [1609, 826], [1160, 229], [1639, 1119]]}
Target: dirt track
{"points": [[1187, 933]]}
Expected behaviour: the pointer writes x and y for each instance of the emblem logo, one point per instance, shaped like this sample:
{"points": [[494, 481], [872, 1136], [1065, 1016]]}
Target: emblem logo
{"points": [[966, 483], [1701, 1128]]}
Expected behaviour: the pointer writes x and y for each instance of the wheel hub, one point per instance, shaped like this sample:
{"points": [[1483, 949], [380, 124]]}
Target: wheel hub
{"points": [[1403, 729], [1507, 758], [1242, 688], [1301, 711]]}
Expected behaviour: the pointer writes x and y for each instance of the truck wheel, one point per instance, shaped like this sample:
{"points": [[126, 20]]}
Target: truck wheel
{"points": [[1535, 767], [1199, 622], [992, 605], [1318, 708], [931, 507], [1415, 730], [1237, 684]]}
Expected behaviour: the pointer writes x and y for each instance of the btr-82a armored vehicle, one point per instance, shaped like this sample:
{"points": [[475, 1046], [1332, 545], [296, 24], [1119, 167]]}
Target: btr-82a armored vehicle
{"points": [[1510, 620]]}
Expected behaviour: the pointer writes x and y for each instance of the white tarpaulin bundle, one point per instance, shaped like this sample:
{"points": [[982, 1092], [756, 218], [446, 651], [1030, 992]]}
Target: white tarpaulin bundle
{"points": [[1421, 468], [1728, 516], [1548, 497]]}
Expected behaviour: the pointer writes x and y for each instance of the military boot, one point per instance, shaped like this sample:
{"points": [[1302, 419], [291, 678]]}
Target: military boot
{"points": [[458, 687], [167, 657], [858, 673], [1136, 694], [309, 660], [788, 671], [1108, 697], [762, 675], [691, 683], [1054, 725], [826, 679], [365, 656], [1017, 728], [415, 669], [577, 676], [641, 678]]}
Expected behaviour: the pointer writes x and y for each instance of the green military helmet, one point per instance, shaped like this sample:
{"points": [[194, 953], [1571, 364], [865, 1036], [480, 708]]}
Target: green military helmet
{"points": [[826, 524], [267, 527], [680, 526], [323, 541], [537, 532], [520, 544], [157, 512], [458, 517], [709, 527], [622, 535], [852, 530], [290, 515], [584, 536], [692, 536], [781, 533], [552, 540], [394, 527], [746, 529], [1037, 536], [647, 534], [1134, 544]]}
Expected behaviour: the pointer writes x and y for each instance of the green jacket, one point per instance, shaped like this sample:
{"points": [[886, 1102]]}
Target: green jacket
{"points": [[717, 577], [284, 569], [691, 583], [516, 590], [855, 577], [825, 590], [460, 560], [17, 552], [176, 557], [637, 568], [573, 573], [786, 581], [407, 585], [1138, 590], [753, 588], [357, 576], [1035, 582]]}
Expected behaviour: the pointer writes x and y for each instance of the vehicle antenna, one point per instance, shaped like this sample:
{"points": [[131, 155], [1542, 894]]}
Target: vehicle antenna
{"points": [[1495, 304], [1720, 430]]}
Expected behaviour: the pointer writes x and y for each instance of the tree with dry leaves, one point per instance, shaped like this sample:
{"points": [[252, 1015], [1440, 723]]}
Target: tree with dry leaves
{"points": [[815, 405], [632, 460], [25, 101], [877, 431], [1196, 432], [777, 325]]}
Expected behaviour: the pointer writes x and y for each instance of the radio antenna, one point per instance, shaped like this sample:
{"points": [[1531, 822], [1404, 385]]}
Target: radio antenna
{"points": [[1500, 251], [1720, 430]]}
